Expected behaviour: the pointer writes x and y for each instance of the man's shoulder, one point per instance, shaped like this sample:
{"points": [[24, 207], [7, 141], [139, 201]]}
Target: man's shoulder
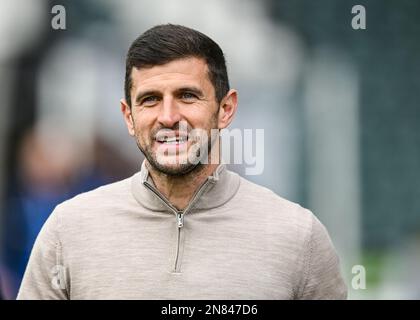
{"points": [[106, 195], [273, 207], [252, 191]]}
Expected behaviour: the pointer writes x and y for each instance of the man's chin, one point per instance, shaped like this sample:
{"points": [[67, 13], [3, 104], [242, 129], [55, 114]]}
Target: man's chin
{"points": [[172, 167]]}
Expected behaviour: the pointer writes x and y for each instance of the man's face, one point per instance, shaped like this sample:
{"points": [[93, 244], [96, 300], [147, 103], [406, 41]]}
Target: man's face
{"points": [[169, 102]]}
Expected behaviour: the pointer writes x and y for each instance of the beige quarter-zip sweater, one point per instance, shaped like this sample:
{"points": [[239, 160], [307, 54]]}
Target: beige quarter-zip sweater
{"points": [[235, 240]]}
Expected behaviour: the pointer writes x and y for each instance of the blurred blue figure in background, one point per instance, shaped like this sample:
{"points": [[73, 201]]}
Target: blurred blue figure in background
{"points": [[41, 182], [1, 290]]}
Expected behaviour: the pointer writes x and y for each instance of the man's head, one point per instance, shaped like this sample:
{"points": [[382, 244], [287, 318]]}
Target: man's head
{"points": [[176, 83]]}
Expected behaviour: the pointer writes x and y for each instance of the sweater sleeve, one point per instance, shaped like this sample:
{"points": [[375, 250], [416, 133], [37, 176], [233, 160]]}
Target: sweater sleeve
{"points": [[322, 276], [45, 275]]}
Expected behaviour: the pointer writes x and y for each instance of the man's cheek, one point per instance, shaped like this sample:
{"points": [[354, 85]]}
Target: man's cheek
{"points": [[142, 140]]}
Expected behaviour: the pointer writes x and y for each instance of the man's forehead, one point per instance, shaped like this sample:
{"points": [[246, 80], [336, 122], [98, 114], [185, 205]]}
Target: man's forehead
{"points": [[191, 68]]}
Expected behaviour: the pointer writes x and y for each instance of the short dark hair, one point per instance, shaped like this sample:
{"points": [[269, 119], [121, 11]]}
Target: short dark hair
{"points": [[165, 43]]}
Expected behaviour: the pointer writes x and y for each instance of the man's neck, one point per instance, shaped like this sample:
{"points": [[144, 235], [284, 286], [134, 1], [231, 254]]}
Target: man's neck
{"points": [[179, 190]]}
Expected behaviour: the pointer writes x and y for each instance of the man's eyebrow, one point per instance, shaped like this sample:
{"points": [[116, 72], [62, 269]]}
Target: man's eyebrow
{"points": [[191, 89], [143, 94], [146, 93]]}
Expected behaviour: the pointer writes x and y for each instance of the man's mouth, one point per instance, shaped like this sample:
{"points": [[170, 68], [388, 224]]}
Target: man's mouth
{"points": [[171, 139]]}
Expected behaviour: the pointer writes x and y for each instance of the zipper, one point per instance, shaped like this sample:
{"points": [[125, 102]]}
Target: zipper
{"points": [[179, 214], [180, 219]]}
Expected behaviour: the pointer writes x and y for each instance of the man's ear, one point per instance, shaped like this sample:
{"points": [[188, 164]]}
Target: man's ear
{"points": [[128, 117], [227, 109]]}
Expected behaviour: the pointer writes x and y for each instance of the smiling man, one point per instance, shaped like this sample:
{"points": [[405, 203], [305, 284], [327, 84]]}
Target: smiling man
{"points": [[184, 227]]}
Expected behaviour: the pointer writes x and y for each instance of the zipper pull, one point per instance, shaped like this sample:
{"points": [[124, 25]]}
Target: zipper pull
{"points": [[180, 219]]}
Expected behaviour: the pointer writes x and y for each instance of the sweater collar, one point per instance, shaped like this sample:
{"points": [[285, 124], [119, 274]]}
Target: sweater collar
{"points": [[217, 189]]}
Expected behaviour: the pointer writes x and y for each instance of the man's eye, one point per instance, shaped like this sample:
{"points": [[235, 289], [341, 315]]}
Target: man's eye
{"points": [[149, 100], [188, 96]]}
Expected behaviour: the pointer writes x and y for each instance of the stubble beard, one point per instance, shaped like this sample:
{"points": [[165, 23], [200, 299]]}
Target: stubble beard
{"points": [[180, 169]]}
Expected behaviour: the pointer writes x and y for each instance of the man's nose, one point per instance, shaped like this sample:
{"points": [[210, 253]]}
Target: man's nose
{"points": [[169, 113]]}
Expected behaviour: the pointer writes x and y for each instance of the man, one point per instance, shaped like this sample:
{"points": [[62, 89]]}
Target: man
{"points": [[184, 227]]}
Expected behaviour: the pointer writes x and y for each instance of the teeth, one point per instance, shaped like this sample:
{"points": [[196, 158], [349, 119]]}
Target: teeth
{"points": [[173, 140]]}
